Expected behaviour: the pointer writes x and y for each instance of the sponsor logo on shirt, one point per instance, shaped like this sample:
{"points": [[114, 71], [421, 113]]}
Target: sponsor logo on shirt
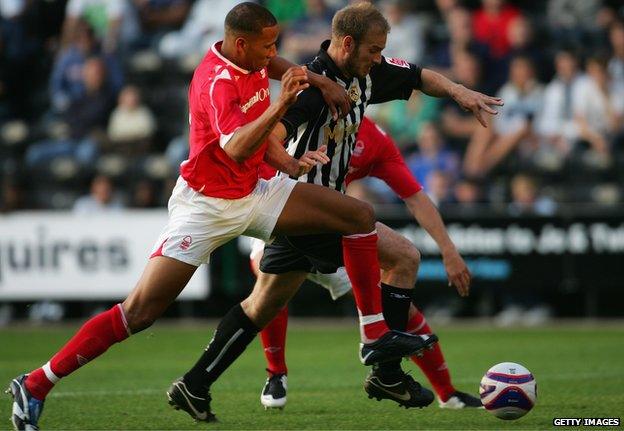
{"points": [[260, 96], [398, 62]]}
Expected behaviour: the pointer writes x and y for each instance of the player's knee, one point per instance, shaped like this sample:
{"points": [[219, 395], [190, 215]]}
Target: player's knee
{"points": [[363, 218], [408, 262], [139, 320]]}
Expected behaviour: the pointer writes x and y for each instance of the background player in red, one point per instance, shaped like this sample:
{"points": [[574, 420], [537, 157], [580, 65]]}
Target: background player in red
{"points": [[375, 155], [218, 197]]}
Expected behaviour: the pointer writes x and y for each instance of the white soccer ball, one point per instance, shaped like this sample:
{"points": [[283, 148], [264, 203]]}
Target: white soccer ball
{"points": [[508, 390]]}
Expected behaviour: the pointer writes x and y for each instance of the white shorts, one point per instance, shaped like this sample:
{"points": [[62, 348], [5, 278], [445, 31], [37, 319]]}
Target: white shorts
{"points": [[337, 283], [198, 224]]}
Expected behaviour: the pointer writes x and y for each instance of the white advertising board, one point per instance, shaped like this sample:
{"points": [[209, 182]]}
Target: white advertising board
{"points": [[58, 255]]}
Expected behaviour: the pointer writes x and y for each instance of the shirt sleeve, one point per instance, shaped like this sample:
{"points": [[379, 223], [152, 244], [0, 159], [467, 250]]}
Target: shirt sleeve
{"points": [[394, 79], [220, 101], [390, 167], [309, 105]]}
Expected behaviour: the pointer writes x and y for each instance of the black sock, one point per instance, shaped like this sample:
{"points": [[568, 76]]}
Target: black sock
{"points": [[396, 303], [231, 338]]}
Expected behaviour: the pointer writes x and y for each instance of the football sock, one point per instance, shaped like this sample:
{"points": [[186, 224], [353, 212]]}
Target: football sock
{"points": [[93, 339], [362, 265], [273, 338], [432, 363], [231, 338], [396, 303]]}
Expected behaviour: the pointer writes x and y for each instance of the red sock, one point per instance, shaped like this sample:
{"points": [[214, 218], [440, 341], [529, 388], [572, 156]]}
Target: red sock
{"points": [[93, 339], [362, 265], [432, 363], [273, 338]]}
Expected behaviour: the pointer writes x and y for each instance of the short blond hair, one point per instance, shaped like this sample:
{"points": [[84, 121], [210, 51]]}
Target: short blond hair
{"points": [[357, 20]]}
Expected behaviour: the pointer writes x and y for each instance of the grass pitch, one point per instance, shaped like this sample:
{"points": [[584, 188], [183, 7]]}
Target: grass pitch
{"points": [[579, 370]]}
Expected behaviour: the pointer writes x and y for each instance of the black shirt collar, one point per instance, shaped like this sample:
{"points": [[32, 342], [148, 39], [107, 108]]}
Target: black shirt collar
{"points": [[325, 58]]}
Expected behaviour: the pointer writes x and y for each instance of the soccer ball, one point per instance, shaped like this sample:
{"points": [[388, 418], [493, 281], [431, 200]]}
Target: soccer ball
{"points": [[508, 390]]}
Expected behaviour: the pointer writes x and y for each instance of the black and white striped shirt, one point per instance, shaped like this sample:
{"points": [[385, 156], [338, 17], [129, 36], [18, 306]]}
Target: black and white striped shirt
{"points": [[309, 122]]}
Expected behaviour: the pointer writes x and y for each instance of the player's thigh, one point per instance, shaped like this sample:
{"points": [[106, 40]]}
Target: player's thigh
{"points": [[394, 249], [314, 209], [160, 284]]}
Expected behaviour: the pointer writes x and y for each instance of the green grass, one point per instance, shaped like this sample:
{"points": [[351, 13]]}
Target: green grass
{"points": [[579, 370]]}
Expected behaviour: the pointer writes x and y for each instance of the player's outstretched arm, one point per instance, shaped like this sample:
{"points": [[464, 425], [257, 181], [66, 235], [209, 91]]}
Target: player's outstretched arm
{"points": [[333, 93], [435, 84], [429, 218], [247, 139]]}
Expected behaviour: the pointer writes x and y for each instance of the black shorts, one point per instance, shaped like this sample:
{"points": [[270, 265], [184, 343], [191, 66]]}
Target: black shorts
{"points": [[309, 253]]}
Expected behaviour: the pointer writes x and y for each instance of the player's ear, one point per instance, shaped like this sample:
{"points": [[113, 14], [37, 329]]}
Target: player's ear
{"points": [[348, 44], [241, 43]]}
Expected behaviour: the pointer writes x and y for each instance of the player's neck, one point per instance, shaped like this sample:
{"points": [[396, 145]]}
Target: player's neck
{"points": [[335, 53], [228, 50]]}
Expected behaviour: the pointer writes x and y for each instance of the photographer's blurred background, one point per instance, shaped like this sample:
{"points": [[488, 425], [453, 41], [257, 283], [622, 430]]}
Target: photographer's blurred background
{"points": [[93, 126]]}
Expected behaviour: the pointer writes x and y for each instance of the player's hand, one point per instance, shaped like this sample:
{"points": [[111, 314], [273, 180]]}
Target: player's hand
{"points": [[294, 80], [335, 96], [476, 102], [312, 158], [457, 272]]}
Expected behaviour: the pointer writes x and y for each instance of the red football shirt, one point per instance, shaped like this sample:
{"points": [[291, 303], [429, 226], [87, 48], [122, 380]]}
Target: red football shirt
{"points": [[376, 155], [222, 98]]}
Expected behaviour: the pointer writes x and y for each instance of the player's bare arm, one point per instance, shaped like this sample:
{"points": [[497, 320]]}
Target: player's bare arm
{"points": [[247, 139], [277, 156], [435, 84], [429, 218], [333, 93]]}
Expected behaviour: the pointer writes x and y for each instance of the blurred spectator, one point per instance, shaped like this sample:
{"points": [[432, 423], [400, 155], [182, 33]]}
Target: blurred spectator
{"points": [[100, 199], [177, 151], [467, 193], [67, 81], [144, 195], [526, 199], [491, 25], [19, 56], [513, 127], [86, 118], [598, 106], [459, 23], [432, 156], [158, 17], [616, 62], [202, 28], [555, 124], [12, 196], [114, 21], [459, 125], [404, 119], [522, 41], [301, 41], [570, 21], [406, 40], [131, 124], [438, 186]]}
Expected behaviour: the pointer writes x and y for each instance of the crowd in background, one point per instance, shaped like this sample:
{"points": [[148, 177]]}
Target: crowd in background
{"points": [[93, 111]]}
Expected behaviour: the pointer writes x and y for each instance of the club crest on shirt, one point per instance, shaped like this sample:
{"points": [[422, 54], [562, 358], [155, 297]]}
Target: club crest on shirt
{"points": [[354, 92], [358, 149], [397, 62]]}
